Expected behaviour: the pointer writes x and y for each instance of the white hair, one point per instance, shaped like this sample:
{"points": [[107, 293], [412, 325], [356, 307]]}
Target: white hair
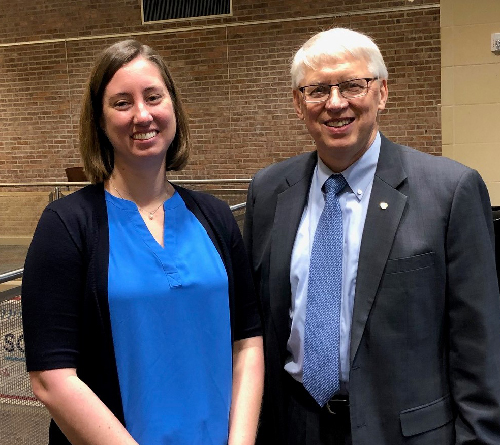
{"points": [[329, 46]]}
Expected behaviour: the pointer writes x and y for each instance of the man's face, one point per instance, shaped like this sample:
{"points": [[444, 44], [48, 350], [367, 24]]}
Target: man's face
{"points": [[342, 129]]}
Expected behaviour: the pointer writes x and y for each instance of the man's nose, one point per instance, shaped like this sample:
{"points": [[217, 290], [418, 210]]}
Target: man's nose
{"points": [[335, 100]]}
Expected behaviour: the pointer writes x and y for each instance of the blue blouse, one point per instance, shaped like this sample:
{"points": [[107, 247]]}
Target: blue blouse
{"points": [[169, 309]]}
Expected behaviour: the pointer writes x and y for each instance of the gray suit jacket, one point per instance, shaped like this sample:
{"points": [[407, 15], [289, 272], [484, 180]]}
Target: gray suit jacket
{"points": [[425, 340]]}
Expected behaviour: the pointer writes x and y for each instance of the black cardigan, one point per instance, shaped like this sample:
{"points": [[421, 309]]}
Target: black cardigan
{"points": [[64, 293]]}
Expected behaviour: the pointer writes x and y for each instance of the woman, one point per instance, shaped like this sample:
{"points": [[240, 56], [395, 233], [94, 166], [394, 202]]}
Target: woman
{"points": [[140, 320]]}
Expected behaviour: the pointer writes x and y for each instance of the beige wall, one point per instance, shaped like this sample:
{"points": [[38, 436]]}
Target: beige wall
{"points": [[470, 88]]}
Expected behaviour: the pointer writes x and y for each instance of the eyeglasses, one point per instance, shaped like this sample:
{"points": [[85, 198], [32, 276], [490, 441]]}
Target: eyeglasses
{"points": [[349, 89]]}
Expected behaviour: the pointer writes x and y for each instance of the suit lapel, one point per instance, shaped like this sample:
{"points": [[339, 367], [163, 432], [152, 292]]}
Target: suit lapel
{"points": [[289, 208], [378, 235]]}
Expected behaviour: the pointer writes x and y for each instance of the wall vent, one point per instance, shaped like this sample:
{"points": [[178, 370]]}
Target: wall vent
{"points": [[164, 10]]}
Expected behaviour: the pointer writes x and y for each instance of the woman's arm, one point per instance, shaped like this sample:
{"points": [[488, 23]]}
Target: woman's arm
{"points": [[248, 383], [78, 412]]}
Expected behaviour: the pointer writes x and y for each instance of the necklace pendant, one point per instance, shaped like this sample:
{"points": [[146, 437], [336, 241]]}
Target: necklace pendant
{"points": [[151, 215]]}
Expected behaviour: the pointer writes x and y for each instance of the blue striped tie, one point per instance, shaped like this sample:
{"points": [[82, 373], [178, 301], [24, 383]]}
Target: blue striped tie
{"points": [[321, 372]]}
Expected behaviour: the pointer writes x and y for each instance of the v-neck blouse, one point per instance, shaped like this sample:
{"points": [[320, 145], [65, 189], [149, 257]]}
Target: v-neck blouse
{"points": [[169, 310]]}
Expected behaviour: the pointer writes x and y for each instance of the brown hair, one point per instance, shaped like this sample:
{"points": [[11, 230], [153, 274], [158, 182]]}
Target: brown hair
{"points": [[95, 148]]}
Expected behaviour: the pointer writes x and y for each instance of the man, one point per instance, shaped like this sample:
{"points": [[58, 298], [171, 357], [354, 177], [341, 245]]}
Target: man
{"points": [[378, 293]]}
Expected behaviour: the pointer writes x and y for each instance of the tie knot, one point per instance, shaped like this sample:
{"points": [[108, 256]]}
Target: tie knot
{"points": [[334, 184]]}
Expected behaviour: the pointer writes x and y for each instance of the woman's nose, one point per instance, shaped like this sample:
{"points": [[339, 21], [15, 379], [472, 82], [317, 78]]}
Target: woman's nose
{"points": [[142, 114]]}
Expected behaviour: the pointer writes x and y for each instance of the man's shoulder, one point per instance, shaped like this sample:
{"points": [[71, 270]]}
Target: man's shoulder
{"points": [[417, 160], [427, 173], [433, 165]]}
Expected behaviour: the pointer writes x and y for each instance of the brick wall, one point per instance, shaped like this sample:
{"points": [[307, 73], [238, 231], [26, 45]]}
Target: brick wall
{"points": [[232, 73]]}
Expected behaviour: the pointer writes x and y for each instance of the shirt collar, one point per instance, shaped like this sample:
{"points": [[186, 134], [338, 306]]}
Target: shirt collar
{"points": [[359, 175]]}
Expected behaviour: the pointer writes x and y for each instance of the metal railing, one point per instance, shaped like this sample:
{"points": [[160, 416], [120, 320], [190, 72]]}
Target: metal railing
{"points": [[58, 187], [24, 419], [13, 291], [18, 273], [12, 275]]}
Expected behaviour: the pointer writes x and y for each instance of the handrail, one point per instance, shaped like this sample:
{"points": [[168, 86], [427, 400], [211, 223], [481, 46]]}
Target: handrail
{"points": [[71, 184], [12, 275], [237, 206], [18, 273]]}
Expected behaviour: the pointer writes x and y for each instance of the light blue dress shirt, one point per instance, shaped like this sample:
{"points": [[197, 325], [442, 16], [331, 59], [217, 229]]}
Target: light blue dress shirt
{"points": [[354, 204]]}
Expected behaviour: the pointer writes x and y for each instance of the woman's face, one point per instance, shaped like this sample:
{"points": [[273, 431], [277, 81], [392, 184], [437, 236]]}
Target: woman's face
{"points": [[138, 114]]}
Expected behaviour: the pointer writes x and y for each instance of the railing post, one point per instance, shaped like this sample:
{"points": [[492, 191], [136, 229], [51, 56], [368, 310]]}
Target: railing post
{"points": [[55, 194]]}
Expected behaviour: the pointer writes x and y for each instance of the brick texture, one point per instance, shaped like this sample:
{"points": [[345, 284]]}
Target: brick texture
{"points": [[233, 74]]}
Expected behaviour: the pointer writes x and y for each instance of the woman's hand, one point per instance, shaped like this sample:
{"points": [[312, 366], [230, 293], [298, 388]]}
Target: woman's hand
{"points": [[78, 412], [248, 384]]}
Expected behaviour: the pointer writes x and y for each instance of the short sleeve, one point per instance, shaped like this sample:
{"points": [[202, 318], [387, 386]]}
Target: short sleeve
{"points": [[52, 292], [247, 321]]}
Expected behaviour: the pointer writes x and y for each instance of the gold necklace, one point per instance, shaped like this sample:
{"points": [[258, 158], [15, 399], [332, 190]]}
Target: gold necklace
{"points": [[150, 214]]}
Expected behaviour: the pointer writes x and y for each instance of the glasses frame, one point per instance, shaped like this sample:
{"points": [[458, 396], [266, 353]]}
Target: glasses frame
{"points": [[362, 94]]}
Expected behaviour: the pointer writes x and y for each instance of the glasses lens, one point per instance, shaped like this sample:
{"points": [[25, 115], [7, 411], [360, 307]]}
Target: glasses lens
{"points": [[316, 93], [353, 88]]}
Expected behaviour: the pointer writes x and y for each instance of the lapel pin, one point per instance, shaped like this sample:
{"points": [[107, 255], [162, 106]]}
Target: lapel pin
{"points": [[383, 205]]}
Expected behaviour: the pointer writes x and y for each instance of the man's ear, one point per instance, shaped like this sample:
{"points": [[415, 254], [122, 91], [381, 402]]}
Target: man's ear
{"points": [[384, 93], [297, 104]]}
